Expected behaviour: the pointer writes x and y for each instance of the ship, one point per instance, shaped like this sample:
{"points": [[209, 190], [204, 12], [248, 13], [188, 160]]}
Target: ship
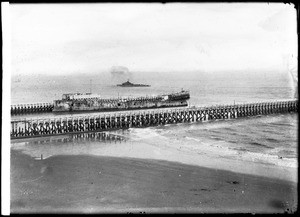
{"points": [[87, 102], [129, 84]]}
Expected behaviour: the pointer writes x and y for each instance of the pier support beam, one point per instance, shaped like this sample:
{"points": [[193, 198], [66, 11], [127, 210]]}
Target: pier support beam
{"points": [[32, 128]]}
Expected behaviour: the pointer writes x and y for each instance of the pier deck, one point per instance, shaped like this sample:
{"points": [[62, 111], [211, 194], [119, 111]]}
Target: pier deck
{"points": [[37, 127]]}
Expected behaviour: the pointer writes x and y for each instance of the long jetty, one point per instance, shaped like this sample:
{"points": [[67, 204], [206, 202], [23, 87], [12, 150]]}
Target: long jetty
{"points": [[20, 109], [31, 108], [27, 128]]}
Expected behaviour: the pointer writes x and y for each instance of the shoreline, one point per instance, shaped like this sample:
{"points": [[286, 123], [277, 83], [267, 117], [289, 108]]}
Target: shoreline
{"points": [[156, 144], [99, 184], [169, 169]]}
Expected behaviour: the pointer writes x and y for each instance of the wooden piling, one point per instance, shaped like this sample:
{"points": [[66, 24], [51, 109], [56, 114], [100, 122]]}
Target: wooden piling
{"points": [[88, 123]]}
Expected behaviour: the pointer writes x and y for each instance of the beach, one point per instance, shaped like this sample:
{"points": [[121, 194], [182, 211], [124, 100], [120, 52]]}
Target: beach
{"points": [[166, 169], [226, 145], [98, 184]]}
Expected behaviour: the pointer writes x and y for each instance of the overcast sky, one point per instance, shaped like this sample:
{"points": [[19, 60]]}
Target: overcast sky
{"points": [[68, 38]]}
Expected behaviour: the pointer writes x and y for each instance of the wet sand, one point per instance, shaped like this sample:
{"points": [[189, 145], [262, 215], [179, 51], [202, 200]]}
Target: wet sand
{"points": [[100, 184]]}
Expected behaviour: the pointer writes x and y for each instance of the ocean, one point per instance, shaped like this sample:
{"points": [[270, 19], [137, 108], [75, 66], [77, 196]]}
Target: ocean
{"points": [[268, 139], [205, 88]]}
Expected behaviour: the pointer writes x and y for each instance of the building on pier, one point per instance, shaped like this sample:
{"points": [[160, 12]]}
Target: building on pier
{"points": [[88, 102]]}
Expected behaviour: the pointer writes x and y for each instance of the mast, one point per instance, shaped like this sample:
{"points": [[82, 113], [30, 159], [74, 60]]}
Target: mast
{"points": [[90, 85]]}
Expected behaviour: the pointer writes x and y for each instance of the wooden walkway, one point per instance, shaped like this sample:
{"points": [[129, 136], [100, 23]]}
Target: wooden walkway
{"points": [[27, 128]]}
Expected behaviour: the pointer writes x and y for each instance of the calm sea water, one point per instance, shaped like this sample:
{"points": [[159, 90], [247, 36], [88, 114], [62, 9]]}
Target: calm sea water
{"points": [[274, 135], [205, 88]]}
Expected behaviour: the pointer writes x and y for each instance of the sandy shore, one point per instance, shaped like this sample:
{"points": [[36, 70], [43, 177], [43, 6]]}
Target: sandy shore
{"points": [[159, 144], [184, 168], [99, 184]]}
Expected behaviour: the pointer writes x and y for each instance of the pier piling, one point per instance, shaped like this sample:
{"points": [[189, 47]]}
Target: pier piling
{"points": [[89, 123]]}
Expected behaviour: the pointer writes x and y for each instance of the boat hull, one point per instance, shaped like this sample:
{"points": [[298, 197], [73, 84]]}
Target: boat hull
{"points": [[85, 103], [116, 106]]}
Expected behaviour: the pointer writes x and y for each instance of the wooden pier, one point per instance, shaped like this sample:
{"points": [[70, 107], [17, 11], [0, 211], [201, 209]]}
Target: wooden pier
{"points": [[59, 126], [31, 108], [21, 109]]}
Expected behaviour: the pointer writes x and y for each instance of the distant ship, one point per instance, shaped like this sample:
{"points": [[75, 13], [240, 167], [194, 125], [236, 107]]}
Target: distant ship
{"points": [[80, 102], [129, 84]]}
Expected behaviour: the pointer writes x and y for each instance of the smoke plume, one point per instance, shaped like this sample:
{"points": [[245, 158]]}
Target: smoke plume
{"points": [[120, 74]]}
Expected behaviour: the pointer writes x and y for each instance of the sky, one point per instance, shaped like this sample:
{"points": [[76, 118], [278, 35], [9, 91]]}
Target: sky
{"points": [[70, 38]]}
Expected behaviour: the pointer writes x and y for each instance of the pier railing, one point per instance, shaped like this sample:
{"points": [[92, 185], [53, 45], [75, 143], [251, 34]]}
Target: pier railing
{"points": [[48, 107], [31, 108], [90, 123]]}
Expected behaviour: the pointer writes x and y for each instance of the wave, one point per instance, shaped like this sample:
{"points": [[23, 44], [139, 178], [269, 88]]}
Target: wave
{"points": [[268, 131], [259, 144], [216, 138], [272, 140], [283, 124]]}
